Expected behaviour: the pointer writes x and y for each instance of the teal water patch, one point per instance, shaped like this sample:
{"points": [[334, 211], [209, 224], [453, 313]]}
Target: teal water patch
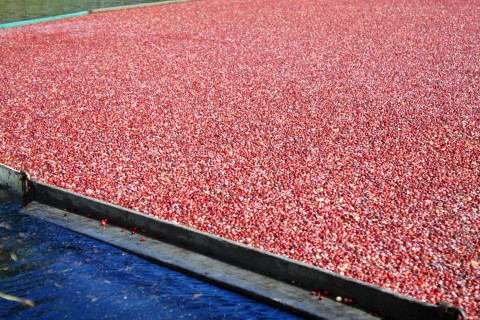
{"points": [[45, 19], [21, 10]]}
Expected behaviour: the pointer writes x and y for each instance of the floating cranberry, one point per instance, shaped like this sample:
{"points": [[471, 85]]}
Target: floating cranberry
{"points": [[351, 148]]}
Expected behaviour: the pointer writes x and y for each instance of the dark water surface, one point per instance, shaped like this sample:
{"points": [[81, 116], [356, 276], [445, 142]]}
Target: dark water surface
{"points": [[70, 276], [19, 10]]}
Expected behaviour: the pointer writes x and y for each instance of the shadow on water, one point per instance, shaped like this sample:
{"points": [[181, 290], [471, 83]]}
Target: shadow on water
{"points": [[20, 10], [70, 276]]}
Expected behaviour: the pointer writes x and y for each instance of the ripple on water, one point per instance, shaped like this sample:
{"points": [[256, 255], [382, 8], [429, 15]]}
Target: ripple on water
{"points": [[71, 276]]}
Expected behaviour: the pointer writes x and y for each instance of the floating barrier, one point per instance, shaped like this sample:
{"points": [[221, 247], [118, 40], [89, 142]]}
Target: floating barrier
{"points": [[140, 5], [274, 279], [11, 179], [45, 19]]}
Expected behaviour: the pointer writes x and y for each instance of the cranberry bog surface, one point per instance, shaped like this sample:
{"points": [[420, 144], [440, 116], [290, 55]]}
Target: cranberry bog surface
{"points": [[342, 134]]}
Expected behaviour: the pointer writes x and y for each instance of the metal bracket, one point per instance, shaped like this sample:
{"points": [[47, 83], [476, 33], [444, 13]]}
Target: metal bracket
{"points": [[26, 186], [449, 311]]}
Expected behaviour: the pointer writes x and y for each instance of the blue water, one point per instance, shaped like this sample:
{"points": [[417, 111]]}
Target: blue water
{"points": [[70, 276]]}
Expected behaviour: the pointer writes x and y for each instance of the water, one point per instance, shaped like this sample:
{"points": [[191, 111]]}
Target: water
{"points": [[70, 276], [20, 10]]}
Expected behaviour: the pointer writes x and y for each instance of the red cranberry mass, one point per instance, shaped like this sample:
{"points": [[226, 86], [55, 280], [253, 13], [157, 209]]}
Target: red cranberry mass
{"points": [[340, 134]]}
